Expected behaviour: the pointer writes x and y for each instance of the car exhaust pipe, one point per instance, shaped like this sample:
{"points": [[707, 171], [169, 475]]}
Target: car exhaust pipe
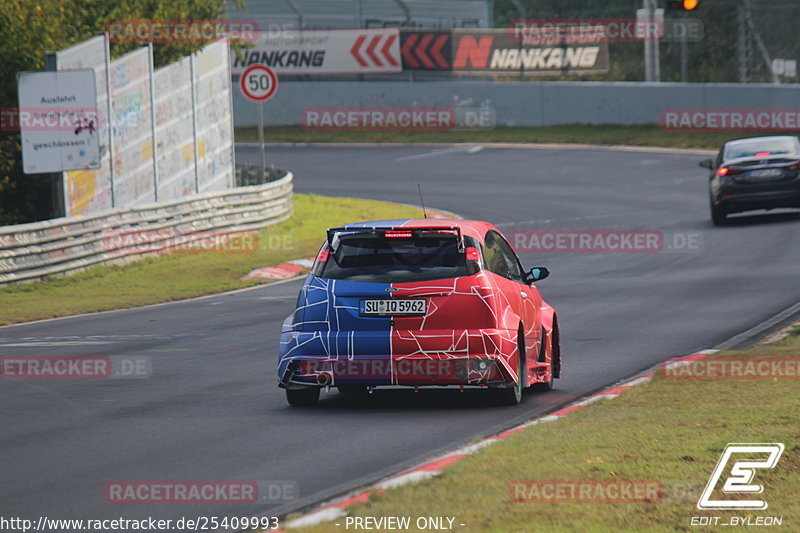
{"points": [[324, 379]]}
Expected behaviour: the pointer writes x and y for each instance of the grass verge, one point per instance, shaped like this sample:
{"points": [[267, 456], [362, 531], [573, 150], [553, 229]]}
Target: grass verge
{"points": [[670, 431], [574, 133], [184, 275]]}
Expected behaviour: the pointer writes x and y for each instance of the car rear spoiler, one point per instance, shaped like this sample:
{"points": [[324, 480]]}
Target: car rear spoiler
{"points": [[379, 231]]}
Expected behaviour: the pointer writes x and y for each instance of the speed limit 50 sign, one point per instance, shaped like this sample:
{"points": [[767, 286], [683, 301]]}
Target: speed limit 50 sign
{"points": [[258, 83]]}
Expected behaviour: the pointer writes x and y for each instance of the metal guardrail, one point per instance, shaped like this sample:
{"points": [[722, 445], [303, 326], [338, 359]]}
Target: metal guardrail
{"points": [[33, 251], [251, 175]]}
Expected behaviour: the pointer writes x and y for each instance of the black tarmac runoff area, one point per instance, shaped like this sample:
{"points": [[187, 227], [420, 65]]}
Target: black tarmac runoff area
{"points": [[210, 408]]}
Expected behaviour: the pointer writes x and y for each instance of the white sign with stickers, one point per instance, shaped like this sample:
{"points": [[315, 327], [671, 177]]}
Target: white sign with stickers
{"points": [[59, 121]]}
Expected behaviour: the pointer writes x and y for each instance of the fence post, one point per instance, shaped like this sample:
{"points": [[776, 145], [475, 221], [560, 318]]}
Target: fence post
{"points": [[58, 182], [194, 126], [151, 72], [233, 129], [110, 119]]}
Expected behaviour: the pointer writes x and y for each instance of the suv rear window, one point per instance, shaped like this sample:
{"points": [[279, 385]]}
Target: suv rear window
{"points": [[397, 260]]}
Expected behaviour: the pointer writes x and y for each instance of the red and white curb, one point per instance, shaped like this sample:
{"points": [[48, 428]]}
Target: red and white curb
{"points": [[286, 270], [338, 508]]}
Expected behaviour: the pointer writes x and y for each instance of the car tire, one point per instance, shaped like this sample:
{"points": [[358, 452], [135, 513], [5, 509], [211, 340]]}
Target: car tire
{"points": [[302, 397], [544, 386], [718, 215]]}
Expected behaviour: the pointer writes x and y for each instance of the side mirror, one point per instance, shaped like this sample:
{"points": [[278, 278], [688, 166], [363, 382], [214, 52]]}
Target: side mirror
{"points": [[537, 274], [706, 163]]}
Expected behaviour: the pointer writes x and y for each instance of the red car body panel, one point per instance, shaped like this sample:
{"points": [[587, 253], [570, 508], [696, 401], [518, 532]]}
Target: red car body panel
{"points": [[469, 336]]}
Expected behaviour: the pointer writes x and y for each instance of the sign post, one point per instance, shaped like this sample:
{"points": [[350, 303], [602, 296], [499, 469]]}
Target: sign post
{"points": [[258, 84], [263, 166]]}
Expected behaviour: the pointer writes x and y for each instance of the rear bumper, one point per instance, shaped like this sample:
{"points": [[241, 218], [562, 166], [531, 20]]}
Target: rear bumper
{"points": [[734, 199], [384, 371], [464, 357]]}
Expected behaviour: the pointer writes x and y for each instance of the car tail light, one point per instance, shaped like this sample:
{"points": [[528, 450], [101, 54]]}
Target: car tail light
{"points": [[323, 254], [398, 234], [762, 154], [725, 171], [472, 253]]}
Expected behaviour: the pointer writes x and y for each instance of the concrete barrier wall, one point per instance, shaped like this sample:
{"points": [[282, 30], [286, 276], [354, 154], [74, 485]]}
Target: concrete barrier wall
{"points": [[521, 103]]}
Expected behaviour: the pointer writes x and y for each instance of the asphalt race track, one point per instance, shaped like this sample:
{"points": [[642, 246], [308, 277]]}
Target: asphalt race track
{"points": [[211, 409]]}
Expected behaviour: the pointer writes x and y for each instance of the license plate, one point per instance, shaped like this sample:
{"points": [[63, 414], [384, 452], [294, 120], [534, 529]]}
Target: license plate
{"points": [[766, 173], [394, 307]]}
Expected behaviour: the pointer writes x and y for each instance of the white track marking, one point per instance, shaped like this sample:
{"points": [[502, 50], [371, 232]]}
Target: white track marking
{"points": [[436, 153]]}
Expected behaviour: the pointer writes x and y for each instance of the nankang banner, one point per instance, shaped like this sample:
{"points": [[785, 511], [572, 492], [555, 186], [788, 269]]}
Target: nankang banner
{"points": [[323, 52], [497, 51]]}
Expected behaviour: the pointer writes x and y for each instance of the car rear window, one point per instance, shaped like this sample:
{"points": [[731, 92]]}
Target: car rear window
{"points": [[397, 260], [750, 148]]}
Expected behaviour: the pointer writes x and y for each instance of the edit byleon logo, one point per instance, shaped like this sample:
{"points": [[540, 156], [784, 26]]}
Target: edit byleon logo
{"points": [[731, 487], [746, 459]]}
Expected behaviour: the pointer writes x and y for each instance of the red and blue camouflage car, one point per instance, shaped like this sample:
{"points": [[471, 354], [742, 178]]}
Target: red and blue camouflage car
{"points": [[419, 302]]}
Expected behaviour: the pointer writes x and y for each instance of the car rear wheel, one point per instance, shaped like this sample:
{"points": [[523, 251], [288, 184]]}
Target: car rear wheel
{"points": [[718, 215], [302, 397]]}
